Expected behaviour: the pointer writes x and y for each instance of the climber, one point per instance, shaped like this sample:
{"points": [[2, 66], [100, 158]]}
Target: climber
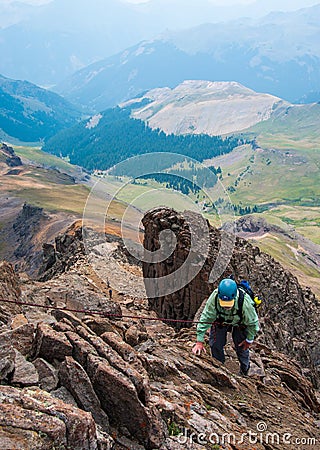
{"points": [[222, 311]]}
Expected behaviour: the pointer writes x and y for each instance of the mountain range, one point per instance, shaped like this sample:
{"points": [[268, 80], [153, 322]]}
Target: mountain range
{"points": [[29, 113], [47, 43], [90, 356], [12, 12], [180, 13], [278, 54], [194, 110]]}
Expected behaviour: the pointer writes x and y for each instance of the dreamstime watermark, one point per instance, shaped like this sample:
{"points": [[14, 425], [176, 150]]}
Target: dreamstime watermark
{"points": [[261, 436], [105, 197]]}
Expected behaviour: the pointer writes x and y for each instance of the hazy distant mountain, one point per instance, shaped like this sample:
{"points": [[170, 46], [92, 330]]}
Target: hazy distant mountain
{"points": [[14, 12], [278, 54], [190, 13], [65, 35], [30, 114]]}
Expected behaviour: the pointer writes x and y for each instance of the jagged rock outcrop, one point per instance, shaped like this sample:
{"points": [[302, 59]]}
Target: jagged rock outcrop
{"points": [[133, 383], [9, 290], [99, 379], [29, 222], [60, 256], [250, 224], [127, 382], [8, 156], [289, 316], [73, 376]]}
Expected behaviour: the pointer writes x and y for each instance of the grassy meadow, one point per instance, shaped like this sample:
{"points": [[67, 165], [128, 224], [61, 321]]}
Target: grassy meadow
{"points": [[280, 175], [35, 155]]}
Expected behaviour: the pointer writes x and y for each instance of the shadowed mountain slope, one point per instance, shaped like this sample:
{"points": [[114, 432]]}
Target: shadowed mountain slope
{"points": [[30, 114]]}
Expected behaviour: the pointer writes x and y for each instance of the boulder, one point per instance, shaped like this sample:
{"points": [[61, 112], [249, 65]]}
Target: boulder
{"points": [[21, 338], [100, 325], [51, 344], [32, 419], [112, 357], [120, 400], [81, 348], [48, 377], [25, 373], [75, 379], [135, 334]]}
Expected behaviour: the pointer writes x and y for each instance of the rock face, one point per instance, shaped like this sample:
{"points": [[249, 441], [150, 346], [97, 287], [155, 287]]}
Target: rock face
{"points": [[99, 379], [9, 290], [8, 156], [250, 225], [84, 381], [145, 395], [289, 316], [61, 255], [26, 226]]}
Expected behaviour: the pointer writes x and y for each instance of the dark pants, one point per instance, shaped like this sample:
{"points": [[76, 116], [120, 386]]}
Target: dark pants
{"points": [[218, 339]]}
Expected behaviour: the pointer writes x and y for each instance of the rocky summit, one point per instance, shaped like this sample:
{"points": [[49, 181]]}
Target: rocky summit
{"points": [[88, 370]]}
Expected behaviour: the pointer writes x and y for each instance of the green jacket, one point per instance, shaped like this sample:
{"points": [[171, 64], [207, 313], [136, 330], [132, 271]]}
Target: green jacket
{"points": [[210, 314]]}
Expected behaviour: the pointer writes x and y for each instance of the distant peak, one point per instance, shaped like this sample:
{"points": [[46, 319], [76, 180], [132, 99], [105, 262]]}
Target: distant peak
{"points": [[204, 107]]}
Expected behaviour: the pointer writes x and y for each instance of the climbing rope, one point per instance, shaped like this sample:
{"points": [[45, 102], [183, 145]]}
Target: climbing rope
{"points": [[103, 314]]}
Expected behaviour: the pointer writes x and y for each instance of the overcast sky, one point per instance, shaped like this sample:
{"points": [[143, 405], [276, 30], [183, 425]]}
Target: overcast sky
{"points": [[217, 2]]}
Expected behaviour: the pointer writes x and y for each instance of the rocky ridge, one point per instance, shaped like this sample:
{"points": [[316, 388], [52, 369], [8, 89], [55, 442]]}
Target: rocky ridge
{"points": [[30, 221], [8, 156], [85, 381], [289, 315], [23, 228]]}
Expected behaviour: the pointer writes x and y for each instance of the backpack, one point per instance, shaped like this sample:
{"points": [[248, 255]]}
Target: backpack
{"points": [[243, 288]]}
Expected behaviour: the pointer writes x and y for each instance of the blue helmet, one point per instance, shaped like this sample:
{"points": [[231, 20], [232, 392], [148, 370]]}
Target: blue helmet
{"points": [[227, 292]]}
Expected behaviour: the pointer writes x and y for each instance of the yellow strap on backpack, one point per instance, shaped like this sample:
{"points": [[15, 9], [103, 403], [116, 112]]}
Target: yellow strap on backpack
{"points": [[257, 301]]}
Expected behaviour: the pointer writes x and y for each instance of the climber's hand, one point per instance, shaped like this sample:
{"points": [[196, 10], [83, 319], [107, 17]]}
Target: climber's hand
{"points": [[245, 344], [198, 348]]}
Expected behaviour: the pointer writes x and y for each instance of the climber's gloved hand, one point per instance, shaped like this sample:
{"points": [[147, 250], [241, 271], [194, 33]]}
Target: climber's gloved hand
{"points": [[245, 344], [198, 348]]}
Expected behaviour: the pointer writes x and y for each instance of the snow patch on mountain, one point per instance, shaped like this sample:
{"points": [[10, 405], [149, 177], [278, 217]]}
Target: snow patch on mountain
{"points": [[94, 121]]}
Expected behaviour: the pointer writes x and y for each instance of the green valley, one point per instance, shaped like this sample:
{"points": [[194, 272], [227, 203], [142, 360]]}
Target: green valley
{"points": [[269, 171]]}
